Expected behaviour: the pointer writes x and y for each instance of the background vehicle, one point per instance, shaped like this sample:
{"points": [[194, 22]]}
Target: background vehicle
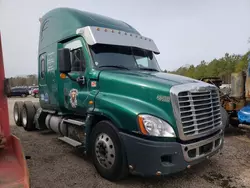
{"points": [[31, 88], [35, 92], [13, 173], [101, 89], [235, 98], [19, 91]]}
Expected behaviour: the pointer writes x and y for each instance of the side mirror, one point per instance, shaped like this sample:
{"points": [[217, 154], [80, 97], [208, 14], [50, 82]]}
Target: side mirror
{"points": [[64, 60]]}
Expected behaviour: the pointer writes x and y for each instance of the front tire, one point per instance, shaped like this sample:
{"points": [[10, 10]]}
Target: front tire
{"points": [[28, 114], [107, 152]]}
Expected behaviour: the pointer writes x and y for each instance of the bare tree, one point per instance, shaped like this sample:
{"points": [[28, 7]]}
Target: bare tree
{"points": [[23, 81]]}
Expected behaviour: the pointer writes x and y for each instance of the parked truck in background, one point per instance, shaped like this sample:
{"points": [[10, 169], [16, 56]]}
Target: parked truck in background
{"points": [[102, 90]]}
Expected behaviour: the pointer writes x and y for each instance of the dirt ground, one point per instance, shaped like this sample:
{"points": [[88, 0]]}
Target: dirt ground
{"points": [[54, 164]]}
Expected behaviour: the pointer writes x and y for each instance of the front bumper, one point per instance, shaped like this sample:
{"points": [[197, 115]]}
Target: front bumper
{"points": [[149, 158]]}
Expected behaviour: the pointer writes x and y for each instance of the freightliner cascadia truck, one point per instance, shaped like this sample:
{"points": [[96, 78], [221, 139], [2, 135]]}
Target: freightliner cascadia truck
{"points": [[102, 90]]}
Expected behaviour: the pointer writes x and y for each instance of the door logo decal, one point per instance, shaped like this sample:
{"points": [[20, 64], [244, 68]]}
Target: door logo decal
{"points": [[73, 97], [93, 84]]}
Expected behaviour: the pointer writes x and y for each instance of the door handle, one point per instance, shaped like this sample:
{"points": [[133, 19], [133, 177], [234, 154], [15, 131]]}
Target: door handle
{"points": [[81, 80]]}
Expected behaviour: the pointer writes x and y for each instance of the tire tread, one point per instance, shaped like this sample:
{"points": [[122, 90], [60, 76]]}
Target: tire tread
{"points": [[19, 105], [31, 111]]}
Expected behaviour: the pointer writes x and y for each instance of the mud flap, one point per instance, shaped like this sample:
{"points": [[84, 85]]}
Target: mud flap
{"points": [[14, 172]]}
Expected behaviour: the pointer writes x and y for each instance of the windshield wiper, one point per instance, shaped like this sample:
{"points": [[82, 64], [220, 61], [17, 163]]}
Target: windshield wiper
{"points": [[115, 66], [149, 69]]}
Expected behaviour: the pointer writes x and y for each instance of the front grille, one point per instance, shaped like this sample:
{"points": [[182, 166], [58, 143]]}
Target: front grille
{"points": [[199, 111]]}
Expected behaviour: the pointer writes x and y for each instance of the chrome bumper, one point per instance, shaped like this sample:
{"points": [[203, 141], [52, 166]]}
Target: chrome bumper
{"points": [[204, 148]]}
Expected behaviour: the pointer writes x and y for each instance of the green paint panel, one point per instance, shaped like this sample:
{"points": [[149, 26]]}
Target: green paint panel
{"points": [[61, 23], [125, 94]]}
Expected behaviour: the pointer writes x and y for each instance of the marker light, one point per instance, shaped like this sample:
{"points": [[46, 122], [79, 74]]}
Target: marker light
{"points": [[63, 76]]}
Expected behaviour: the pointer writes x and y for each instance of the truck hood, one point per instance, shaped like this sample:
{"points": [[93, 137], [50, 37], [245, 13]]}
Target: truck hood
{"points": [[140, 92], [147, 78]]}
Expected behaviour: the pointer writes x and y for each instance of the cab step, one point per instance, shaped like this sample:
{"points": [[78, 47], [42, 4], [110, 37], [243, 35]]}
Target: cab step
{"points": [[74, 122], [70, 141]]}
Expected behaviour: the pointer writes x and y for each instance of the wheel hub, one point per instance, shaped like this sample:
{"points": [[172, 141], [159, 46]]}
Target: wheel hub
{"points": [[105, 151]]}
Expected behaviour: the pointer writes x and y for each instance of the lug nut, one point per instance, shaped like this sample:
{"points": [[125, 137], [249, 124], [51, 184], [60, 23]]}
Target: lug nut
{"points": [[158, 173], [131, 167]]}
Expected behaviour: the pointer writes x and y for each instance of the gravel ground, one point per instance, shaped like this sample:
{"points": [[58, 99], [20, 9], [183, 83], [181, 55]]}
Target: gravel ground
{"points": [[55, 164]]}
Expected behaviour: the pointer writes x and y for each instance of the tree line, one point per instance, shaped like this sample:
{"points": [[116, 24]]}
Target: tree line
{"points": [[23, 80], [222, 67]]}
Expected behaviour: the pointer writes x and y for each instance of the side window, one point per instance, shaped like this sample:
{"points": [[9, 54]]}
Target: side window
{"points": [[42, 67], [77, 60]]}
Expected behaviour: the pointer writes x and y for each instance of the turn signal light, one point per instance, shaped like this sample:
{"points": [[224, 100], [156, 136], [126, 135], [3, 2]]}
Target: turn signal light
{"points": [[142, 128], [63, 76]]}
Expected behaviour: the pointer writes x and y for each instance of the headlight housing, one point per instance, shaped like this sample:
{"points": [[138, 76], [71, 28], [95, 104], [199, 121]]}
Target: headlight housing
{"points": [[150, 125]]}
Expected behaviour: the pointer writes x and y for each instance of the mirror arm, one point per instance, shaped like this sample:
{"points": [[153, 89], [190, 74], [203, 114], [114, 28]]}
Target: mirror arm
{"points": [[80, 80], [71, 78]]}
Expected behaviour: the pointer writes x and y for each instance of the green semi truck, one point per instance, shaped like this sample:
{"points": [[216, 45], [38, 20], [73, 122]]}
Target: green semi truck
{"points": [[102, 90]]}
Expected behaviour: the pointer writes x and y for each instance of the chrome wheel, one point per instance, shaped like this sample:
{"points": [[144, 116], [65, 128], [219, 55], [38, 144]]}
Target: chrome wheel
{"points": [[24, 117], [105, 150]]}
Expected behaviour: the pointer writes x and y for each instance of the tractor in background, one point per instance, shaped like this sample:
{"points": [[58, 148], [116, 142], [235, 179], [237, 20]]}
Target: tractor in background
{"points": [[235, 98]]}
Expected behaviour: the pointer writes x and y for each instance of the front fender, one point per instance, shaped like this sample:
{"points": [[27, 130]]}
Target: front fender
{"points": [[123, 110]]}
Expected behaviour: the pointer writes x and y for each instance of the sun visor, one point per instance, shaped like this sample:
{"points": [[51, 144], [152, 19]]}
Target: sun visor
{"points": [[99, 35]]}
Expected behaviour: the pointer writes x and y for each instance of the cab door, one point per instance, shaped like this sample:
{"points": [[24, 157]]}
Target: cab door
{"points": [[76, 93]]}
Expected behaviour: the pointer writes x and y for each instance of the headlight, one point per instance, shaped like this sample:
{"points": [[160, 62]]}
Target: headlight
{"points": [[150, 125]]}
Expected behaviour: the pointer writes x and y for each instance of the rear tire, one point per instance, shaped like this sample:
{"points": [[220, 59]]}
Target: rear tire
{"points": [[28, 114], [17, 112], [225, 117], [107, 152], [233, 119], [23, 95]]}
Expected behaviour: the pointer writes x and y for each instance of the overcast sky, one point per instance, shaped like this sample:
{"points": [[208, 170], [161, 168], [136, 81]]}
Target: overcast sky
{"points": [[185, 31]]}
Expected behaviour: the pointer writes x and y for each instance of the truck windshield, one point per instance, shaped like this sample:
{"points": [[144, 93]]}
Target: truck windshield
{"points": [[123, 57]]}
